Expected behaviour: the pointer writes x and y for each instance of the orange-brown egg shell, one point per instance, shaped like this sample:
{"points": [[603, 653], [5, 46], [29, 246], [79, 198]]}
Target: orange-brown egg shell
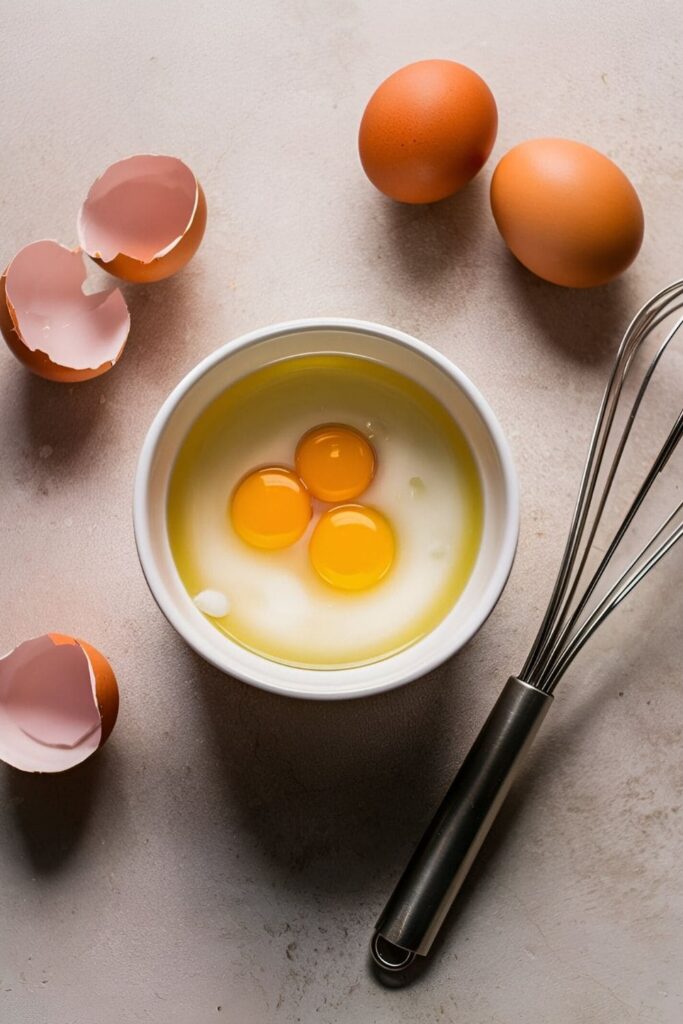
{"points": [[57, 707], [427, 130], [143, 218], [39, 361], [567, 212]]}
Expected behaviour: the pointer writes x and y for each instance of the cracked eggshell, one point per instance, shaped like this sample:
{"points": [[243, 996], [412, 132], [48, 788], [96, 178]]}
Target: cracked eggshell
{"points": [[58, 703], [48, 322], [143, 218]]}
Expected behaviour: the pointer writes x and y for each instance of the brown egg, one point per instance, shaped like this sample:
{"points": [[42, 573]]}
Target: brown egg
{"points": [[50, 325], [58, 703], [427, 130], [144, 218], [567, 212]]}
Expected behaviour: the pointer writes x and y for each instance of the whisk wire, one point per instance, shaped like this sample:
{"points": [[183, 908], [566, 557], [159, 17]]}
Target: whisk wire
{"points": [[560, 637], [584, 498], [563, 626], [611, 601]]}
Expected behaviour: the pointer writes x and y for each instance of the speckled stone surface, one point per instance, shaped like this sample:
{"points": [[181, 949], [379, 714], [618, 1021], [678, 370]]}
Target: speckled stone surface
{"points": [[224, 858]]}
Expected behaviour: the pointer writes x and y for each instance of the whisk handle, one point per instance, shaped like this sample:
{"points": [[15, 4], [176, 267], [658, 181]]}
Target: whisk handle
{"points": [[444, 855]]}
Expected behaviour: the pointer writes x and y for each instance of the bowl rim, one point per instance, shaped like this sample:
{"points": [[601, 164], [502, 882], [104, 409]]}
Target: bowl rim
{"points": [[385, 682]]}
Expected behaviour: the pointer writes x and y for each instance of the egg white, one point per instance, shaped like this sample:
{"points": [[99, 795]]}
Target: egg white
{"points": [[424, 486]]}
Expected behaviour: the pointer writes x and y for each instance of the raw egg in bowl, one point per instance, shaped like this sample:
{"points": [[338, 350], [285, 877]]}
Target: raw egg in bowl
{"points": [[326, 508]]}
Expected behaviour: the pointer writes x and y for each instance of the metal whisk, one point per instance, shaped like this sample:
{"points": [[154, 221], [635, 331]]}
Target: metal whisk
{"points": [[439, 865]]}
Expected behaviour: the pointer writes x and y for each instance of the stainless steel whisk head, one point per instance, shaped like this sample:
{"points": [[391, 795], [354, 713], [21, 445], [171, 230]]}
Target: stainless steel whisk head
{"points": [[571, 620], [424, 894]]}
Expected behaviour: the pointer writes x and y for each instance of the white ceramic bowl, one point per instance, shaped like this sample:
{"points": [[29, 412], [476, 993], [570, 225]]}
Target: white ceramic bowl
{"points": [[411, 358]]}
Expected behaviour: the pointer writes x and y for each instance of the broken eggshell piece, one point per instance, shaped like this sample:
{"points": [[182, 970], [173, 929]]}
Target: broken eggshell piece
{"points": [[58, 703], [48, 322], [144, 218]]}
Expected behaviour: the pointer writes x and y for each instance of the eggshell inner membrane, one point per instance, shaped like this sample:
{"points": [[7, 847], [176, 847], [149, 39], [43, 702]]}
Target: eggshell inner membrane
{"points": [[140, 207], [49, 718], [51, 313]]}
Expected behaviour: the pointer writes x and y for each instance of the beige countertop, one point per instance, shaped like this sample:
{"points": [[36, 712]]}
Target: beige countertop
{"points": [[225, 856]]}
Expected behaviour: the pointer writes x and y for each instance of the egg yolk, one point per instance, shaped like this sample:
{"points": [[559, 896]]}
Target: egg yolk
{"points": [[352, 547], [335, 462], [270, 508]]}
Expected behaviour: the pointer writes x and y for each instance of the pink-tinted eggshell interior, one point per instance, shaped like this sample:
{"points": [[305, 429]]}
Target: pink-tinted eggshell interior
{"points": [[43, 286], [141, 207], [49, 718]]}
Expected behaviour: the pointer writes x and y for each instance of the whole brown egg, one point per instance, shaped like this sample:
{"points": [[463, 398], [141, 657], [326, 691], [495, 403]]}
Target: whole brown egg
{"points": [[427, 130], [566, 212]]}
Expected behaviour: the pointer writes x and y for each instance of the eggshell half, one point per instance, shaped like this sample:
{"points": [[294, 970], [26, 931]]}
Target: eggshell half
{"points": [[58, 703], [50, 325], [144, 218], [567, 212]]}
